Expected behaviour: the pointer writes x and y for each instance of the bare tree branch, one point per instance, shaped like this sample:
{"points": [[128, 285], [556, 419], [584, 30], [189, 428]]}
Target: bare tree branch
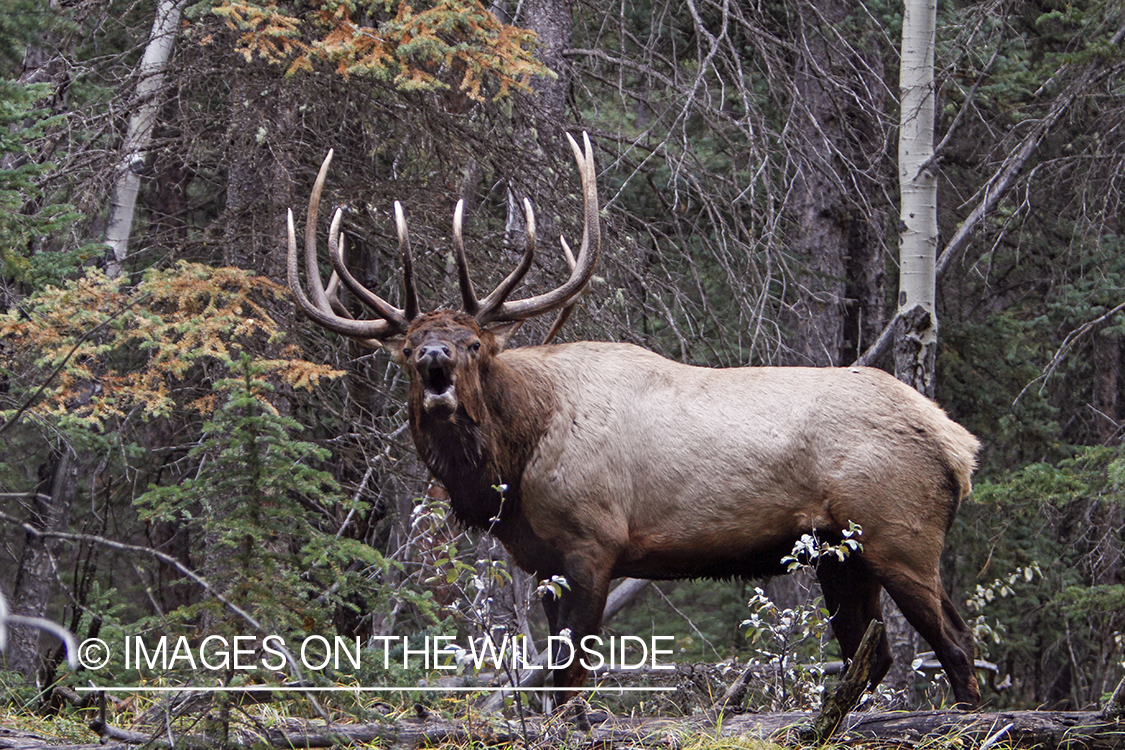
{"points": [[187, 572], [1001, 183]]}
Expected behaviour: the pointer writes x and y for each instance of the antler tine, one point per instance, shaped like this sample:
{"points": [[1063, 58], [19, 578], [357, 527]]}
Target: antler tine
{"points": [[332, 291], [505, 287], [366, 331], [382, 308], [587, 254], [332, 288], [563, 314], [570, 262], [312, 268], [325, 308], [409, 289], [468, 294]]}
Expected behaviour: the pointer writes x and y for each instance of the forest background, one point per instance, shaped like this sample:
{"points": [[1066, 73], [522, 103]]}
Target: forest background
{"points": [[203, 460]]}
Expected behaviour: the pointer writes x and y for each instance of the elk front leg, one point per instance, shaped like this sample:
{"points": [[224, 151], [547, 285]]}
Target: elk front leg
{"points": [[577, 611]]}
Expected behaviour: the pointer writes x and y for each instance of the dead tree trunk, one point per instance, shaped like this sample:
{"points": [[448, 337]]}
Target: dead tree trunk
{"points": [[35, 580]]}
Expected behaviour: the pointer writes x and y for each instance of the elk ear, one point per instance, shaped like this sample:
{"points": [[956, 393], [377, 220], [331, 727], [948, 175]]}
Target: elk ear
{"points": [[503, 333], [394, 347]]}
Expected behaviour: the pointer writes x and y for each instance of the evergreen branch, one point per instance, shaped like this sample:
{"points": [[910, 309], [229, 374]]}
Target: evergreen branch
{"points": [[54, 373], [1065, 346], [998, 186]]}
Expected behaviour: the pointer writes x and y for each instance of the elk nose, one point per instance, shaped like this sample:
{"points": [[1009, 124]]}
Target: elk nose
{"points": [[434, 354]]}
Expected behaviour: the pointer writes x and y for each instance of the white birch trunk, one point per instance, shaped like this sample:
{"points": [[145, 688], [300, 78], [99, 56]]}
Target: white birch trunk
{"points": [[917, 339], [917, 186], [916, 335], [138, 137]]}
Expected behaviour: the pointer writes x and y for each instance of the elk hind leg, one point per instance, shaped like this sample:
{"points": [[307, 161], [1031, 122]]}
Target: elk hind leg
{"points": [[851, 594], [929, 610]]}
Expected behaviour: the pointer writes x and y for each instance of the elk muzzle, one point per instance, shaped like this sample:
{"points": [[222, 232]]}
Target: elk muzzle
{"points": [[436, 370]]}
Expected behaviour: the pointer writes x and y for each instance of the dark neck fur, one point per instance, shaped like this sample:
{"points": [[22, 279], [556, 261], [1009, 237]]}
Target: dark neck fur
{"points": [[472, 457]]}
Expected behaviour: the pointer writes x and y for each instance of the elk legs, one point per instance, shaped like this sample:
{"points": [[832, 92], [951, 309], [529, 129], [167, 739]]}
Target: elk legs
{"points": [[851, 594], [928, 609], [578, 610]]}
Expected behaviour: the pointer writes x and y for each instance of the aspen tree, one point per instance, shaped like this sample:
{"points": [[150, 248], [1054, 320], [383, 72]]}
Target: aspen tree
{"points": [[916, 339]]}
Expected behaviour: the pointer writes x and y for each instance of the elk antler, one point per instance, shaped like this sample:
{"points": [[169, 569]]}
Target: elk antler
{"points": [[325, 309], [495, 307], [468, 296], [563, 314]]}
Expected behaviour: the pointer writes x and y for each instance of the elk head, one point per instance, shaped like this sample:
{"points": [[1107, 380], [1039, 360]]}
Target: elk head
{"points": [[442, 351]]}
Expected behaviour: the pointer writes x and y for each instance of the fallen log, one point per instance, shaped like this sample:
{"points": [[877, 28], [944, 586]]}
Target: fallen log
{"points": [[1050, 730], [1047, 729]]}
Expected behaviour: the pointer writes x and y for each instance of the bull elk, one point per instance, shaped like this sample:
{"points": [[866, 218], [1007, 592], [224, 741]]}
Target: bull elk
{"points": [[613, 461]]}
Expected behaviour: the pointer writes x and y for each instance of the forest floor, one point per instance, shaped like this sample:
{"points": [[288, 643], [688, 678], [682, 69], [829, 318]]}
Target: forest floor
{"points": [[575, 726]]}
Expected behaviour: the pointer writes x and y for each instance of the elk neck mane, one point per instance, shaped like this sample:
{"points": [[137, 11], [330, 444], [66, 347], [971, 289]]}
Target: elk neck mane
{"points": [[503, 411]]}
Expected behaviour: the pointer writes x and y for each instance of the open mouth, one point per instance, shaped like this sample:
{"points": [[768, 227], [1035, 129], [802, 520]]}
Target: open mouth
{"points": [[440, 397], [437, 380]]}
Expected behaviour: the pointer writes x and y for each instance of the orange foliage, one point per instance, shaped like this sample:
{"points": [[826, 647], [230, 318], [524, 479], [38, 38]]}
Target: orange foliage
{"points": [[133, 349], [413, 47]]}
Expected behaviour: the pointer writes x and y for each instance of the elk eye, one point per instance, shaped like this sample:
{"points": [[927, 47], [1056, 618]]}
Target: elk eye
{"points": [[474, 347], [407, 351]]}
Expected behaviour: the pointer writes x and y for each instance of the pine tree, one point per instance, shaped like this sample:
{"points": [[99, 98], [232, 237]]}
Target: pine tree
{"points": [[256, 502], [24, 220]]}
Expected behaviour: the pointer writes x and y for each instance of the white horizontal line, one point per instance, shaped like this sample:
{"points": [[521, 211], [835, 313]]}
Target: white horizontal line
{"points": [[341, 689]]}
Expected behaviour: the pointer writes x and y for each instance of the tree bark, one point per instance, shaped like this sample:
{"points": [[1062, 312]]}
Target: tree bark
{"points": [[817, 313], [917, 182], [915, 350], [260, 170], [836, 236], [35, 580], [552, 21], [138, 136]]}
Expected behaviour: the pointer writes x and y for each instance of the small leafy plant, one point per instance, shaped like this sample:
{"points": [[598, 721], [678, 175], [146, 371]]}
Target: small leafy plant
{"points": [[789, 642]]}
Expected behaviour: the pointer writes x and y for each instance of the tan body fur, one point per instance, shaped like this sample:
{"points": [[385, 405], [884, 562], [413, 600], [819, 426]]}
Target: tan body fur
{"points": [[619, 462], [681, 471]]}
